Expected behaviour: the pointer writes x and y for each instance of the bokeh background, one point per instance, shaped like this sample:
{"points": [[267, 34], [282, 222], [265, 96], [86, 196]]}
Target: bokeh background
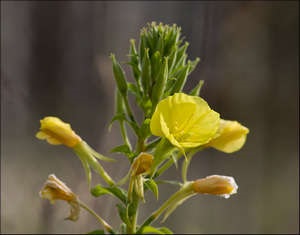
{"points": [[55, 61]]}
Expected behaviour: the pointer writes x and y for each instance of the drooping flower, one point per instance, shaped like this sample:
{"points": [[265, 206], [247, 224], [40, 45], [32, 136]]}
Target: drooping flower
{"points": [[57, 132], [230, 137], [219, 185], [54, 189], [186, 121], [142, 163]]}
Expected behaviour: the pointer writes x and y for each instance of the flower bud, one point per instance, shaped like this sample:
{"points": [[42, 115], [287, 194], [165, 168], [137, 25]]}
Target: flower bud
{"points": [[57, 132], [55, 189], [219, 185]]}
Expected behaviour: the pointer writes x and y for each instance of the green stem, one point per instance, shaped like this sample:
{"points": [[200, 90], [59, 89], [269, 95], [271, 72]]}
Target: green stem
{"points": [[166, 166], [124, 134], [185, 192], [187, 162], [132, 121], [107, 227], [162, 150], [133, 214]]}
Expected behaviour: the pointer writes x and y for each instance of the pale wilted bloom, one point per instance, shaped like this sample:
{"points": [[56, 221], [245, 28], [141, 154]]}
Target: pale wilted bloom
{"points": [[216, 185], [186, 121], [142, 163], [54, 189], [230, 137], [57, 132]]}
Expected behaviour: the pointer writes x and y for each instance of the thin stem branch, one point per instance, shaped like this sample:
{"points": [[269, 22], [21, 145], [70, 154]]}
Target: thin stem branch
{"points": [[107, 227]]}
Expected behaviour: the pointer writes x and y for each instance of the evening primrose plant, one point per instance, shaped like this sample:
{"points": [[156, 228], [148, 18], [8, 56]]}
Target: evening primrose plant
{"points": [[175, 126]]}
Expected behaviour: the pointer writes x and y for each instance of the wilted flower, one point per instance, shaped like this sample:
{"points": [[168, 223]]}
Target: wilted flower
{"points": [[55, 189], [186, 121], [142, 163], [230, 137], [216, 185], [57, 132]]}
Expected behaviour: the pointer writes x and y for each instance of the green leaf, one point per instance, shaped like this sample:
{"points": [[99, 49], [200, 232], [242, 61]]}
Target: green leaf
{"points": [[145, 128], [119, 76], [96, 232], [165, 230], [197, 89], [123, 213], [193, 64], [117, 117], [99, 190], [153, 230], [133, 89], [134, 60], [160, 84], [146, 72], [121, 149], [181, 80], [152, 186]]}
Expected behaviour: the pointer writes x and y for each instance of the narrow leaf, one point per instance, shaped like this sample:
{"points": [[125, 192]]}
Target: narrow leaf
{"points": [[152, 186]]}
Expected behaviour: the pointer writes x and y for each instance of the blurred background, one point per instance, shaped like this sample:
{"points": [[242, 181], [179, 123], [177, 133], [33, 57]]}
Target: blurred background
{"points": [[55, 61]]}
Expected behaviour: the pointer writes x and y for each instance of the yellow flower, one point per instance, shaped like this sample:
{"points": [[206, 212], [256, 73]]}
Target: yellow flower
{"points": [[56, 132], [186, 121], [230, 137], [216, 184], [55, 189]]}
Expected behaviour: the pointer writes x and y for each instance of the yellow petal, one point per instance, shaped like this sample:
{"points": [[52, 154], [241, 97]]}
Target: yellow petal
{"points": [[56, 132], [186, 121], [230, 137]]}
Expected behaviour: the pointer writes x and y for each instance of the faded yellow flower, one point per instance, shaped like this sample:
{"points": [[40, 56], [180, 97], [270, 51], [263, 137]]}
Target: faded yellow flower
{"points": [[186, 121], [216, 184], [142, 163], [230, 137], [57, 132], [54, 189]]}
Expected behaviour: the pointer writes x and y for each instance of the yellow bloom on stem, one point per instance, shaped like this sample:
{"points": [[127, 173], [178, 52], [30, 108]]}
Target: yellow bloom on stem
{"points": [[186, 121], [57, 132], [55, 189], [219, 185], [230, 137]]}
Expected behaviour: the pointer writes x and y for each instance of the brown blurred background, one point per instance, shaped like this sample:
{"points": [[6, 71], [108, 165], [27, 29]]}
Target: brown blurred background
{"points": [[55, 61]]}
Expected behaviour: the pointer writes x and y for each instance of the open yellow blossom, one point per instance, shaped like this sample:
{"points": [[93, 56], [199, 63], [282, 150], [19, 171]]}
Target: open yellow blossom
{"points": [[230, 137], [186, 121], [55, 189], [219, 185], [57, 132]]}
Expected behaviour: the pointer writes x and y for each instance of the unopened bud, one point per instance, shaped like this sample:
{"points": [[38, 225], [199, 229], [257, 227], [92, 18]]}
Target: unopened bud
{"points": [[219, 185]]}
